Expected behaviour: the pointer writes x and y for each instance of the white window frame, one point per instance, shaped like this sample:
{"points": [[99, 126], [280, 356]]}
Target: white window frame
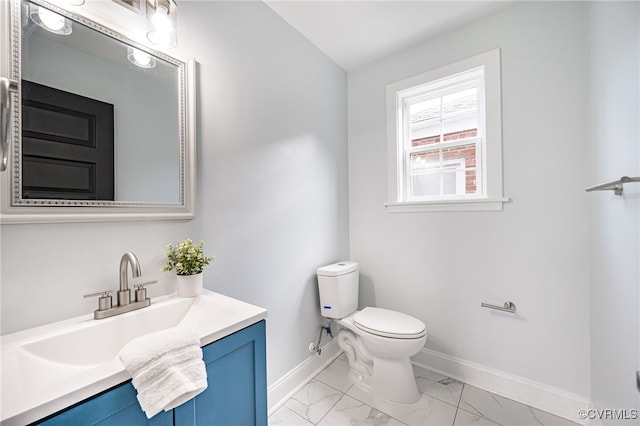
{"points": [[489, 196]]}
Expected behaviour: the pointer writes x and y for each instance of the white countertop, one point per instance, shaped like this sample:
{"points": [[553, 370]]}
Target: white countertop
{"points": [[35, 386]]}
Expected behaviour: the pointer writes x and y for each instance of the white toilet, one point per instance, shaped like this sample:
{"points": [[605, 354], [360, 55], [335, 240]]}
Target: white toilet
{"points": [[378, 342]]}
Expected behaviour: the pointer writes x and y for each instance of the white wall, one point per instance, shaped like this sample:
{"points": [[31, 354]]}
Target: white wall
{"points": [[439, 267], [272, 188], [614, 151]]}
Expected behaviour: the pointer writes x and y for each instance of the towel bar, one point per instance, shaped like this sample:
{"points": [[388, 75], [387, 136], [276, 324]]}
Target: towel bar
{"points": [[616, 185], [508, 307]]}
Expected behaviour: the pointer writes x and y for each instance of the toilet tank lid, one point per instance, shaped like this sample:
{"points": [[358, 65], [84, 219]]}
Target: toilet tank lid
{"points": [[339, 268]]}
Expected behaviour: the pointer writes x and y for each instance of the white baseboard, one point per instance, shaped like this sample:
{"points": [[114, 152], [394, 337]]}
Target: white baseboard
{"points": [[544, 397], [283, 389]]}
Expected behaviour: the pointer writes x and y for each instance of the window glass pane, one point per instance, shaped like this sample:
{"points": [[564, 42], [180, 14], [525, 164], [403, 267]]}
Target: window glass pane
{"points": [[471, 186], [452, 133], [424, 122], [460, 128], [450, 183], [425, 161], [450, 171], [465, 155], [460, 119], [427, 173], [425, 110], [427, 184], [465, 101], [444, 182]]}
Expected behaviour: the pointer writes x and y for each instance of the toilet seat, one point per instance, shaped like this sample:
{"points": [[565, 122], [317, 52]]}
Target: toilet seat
{"points": [[388, 323]]}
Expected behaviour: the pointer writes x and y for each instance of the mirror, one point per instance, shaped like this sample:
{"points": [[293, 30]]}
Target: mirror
{"points": [[102, 126]]}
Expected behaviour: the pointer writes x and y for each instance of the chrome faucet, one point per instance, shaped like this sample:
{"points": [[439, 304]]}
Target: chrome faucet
{"points": [[105, 308], [124, 294]]}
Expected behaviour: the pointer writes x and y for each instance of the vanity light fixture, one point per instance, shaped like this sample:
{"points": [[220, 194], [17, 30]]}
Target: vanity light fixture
{"points": [[139, 58], [49, 20], [76, 2], [161, 22]]}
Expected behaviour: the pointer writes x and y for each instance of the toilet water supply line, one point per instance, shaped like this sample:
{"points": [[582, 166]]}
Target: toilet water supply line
{"points": [[316, 347]]}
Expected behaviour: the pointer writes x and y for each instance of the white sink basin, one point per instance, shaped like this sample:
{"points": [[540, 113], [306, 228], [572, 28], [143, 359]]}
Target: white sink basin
{"points": [[98, 341], [48, 368]]}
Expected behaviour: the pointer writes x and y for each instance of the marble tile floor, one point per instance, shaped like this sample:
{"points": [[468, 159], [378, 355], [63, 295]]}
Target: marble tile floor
{"points": [[331, 400]]}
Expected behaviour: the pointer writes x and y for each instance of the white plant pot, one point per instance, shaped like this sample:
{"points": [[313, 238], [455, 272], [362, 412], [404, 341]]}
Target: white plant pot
{"points": [[189, 285]]}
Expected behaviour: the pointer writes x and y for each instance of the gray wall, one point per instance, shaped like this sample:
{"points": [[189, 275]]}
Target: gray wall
{"points": [[272, 188], [614, 150], [47, 268], [439, 267], [272, 173]]}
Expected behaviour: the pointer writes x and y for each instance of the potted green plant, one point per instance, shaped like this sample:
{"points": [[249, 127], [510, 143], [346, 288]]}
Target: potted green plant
{"points": [[188, 260]]}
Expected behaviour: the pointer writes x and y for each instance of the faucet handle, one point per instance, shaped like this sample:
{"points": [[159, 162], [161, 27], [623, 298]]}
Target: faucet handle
{"points": [[141, 292], [141, 285], [104, 302]]}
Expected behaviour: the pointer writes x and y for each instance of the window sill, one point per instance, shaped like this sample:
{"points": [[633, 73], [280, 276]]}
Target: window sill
{"points": [[484, 204]]}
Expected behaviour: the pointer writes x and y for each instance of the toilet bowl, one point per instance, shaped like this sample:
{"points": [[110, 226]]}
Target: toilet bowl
{"points": [[378, 342]]}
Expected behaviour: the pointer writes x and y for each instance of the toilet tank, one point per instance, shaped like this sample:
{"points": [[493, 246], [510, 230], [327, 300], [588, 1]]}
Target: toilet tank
{"points": [[338, 289]]}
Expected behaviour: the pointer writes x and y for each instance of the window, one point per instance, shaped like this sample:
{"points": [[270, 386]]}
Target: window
{"points": [[444, 138]]}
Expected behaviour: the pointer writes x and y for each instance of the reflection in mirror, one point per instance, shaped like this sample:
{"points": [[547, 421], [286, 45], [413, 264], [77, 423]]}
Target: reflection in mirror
{"points": [[72, 153], [104, 125]]}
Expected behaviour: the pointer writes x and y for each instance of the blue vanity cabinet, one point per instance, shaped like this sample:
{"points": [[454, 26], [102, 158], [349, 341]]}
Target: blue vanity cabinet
{"points": [[236, 394], [237, 383], [117, 406]]}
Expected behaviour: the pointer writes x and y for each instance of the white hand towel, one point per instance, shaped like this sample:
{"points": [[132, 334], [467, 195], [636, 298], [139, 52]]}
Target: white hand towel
{"points": [[166, 368]]}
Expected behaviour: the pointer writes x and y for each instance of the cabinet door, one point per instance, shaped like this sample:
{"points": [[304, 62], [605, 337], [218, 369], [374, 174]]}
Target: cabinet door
{"points": [[237, 385], [115, 407]]}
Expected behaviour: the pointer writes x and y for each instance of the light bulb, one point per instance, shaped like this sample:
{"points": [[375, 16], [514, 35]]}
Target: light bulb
{"points": [[51, 20], [140, 58], [160, 19]]}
